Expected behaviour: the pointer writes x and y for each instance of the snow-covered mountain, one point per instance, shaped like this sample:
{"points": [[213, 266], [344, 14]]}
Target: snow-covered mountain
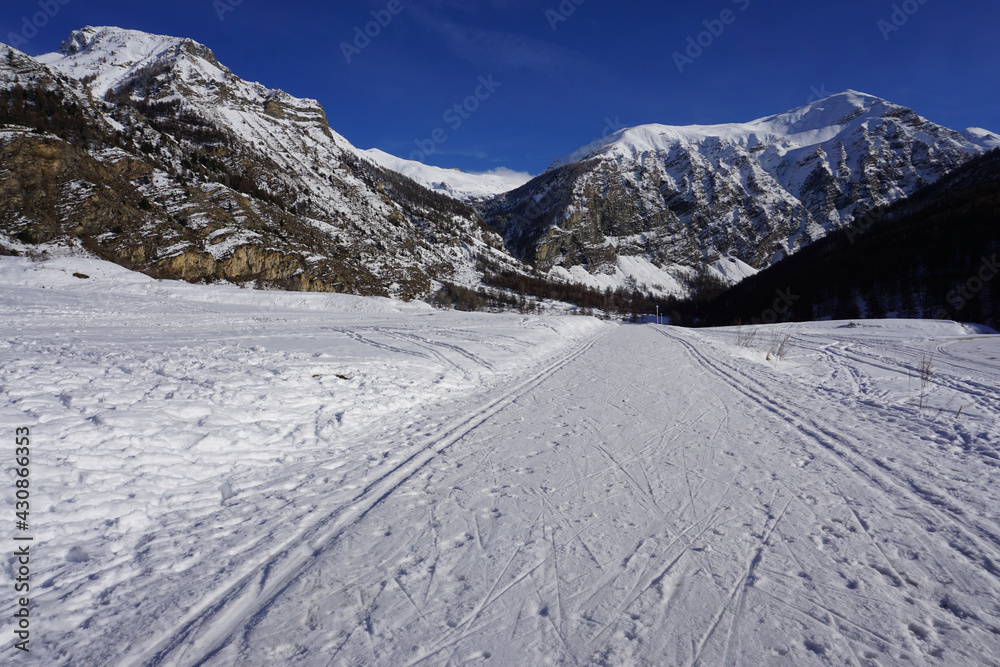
{"points": [[157, 156], [214, 177], [462, 185], [753, 192]]}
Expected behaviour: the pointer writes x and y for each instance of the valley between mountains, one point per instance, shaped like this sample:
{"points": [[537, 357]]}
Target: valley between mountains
{"points": [[268, 429]]}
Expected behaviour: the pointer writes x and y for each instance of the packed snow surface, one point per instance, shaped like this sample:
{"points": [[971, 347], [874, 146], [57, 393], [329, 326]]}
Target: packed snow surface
{"points": [[223, 477]]}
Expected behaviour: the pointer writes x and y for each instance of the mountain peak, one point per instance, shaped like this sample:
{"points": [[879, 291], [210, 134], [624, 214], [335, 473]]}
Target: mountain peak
{"points": [[810, 124], [111, 54], [109, 38], [82, 40], [122, 47], [835, 110]]}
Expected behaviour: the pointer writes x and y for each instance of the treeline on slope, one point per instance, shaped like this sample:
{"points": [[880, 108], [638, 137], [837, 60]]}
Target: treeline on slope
{"points": [[170, 118], [416, 199], [931, 256], [138, 91], [506, 288], [48, 111], [44, 110]]}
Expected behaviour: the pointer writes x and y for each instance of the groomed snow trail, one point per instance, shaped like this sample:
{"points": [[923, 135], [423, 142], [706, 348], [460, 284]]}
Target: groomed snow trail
{"points": [[225, 477], [241, 603], [658, 500]]}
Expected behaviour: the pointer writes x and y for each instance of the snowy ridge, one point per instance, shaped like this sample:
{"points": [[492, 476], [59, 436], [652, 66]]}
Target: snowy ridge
{"points": [[248, 183], [804, 127], [461, 185], [114, 54], [981, 137], [649, 205]]}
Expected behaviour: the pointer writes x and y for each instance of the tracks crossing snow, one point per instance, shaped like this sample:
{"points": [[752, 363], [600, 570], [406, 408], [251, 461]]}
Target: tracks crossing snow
{"points": [[648, 499], [223, 614]]}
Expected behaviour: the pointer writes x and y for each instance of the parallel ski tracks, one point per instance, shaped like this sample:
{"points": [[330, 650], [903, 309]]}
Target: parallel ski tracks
{"points": [[225, 613], [948, 511]]}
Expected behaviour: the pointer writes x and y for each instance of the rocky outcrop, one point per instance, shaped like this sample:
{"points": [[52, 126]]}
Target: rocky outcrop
{"points": [[191, 265]]}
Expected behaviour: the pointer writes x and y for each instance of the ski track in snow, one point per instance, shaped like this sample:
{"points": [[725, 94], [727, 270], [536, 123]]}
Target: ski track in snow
{"points": [[222, 477]]}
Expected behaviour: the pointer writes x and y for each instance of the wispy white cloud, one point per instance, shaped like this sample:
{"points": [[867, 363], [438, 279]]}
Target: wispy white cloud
{"points": [[504, 172], [506, 50]]}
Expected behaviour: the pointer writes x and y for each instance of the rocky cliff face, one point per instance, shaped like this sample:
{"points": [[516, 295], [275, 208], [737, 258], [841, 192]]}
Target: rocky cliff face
{"points": [[159, 157], [756, 192]]}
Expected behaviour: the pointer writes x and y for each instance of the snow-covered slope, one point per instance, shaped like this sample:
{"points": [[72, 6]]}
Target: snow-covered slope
{"points": [[112, 55], [233, 477], [756, 191], [455, 183], [981, 137]]}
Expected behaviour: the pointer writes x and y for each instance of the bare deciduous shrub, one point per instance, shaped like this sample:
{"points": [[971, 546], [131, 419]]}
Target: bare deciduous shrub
{"points": [[780, 346], [924, 370], [746, 337]]}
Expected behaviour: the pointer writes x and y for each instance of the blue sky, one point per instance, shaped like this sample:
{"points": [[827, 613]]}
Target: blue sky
{"points": [[562, 73]]}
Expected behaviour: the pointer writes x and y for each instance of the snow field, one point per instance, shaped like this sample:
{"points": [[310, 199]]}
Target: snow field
{"points": [[661, 500], [160, 404], [232, 477]]}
